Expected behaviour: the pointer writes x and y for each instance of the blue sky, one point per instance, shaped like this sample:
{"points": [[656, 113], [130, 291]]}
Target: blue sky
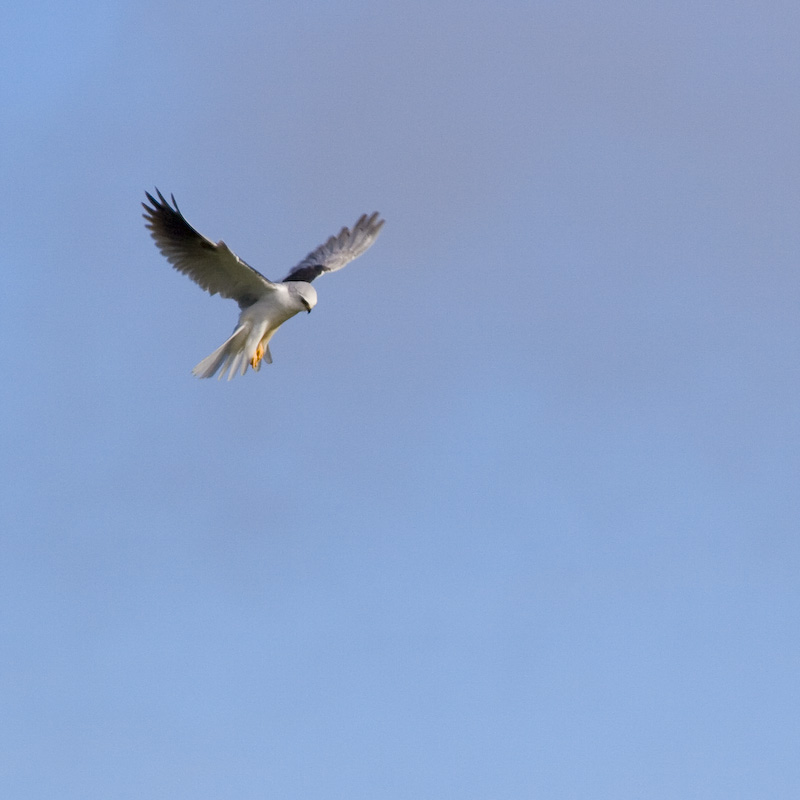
{"points": [[514, 513]]}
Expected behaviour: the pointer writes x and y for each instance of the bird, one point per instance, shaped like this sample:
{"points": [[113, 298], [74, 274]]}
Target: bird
{"points": [[265, 305]]}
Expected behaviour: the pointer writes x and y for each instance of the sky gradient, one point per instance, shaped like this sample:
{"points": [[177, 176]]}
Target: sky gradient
{"points": [[515, 511]]}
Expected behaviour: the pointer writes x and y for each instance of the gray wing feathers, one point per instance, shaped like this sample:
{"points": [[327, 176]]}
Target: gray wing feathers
{"points": [[211, 266], [338, 250]]}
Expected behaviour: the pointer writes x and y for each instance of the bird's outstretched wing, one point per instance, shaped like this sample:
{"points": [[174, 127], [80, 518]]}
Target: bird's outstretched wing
{"points": [[211, 266], [338, 250]]}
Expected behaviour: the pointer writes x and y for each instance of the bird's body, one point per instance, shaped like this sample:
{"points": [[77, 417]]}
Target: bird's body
{"points": [[249, 342], [264, 305]]}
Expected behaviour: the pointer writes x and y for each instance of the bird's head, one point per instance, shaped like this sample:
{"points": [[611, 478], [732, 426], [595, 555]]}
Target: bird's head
{"points": [[305, 293]]}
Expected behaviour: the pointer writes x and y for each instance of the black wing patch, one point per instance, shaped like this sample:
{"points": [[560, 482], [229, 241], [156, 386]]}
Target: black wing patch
{"points": [[306, 274]]}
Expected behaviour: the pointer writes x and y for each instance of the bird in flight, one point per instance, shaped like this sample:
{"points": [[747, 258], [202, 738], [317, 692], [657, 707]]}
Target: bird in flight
{"points": [[264, 305]]}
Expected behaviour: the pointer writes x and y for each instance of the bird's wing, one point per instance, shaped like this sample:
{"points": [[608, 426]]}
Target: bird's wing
{"points": [[338, 250], [211, 266]]}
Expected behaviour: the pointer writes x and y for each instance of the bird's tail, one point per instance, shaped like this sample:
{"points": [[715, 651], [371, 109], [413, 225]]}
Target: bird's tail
{"points": [[233, 355]]}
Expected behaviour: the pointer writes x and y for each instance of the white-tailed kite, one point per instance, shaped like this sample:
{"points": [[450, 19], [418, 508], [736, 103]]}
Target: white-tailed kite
{"points": [[265, 305]]}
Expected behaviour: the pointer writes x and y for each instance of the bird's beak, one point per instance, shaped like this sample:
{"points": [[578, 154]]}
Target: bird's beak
{"points": [[309, 310]]}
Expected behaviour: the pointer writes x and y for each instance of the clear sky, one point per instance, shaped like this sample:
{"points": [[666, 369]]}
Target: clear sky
{"points": [[515, 512]]}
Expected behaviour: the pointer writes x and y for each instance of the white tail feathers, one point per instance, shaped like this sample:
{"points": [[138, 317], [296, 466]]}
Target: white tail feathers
{"points": [[235, 354]]}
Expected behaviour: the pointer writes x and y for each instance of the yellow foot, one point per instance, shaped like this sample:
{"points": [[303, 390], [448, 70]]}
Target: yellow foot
{"points": [[256, 359]]}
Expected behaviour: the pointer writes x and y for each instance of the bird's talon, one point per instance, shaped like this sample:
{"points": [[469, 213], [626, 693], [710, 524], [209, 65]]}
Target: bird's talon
{"points": [[256, 359]]}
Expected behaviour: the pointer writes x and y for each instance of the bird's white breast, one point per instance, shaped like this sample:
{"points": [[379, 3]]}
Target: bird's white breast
{"points": [[274, 308]]}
